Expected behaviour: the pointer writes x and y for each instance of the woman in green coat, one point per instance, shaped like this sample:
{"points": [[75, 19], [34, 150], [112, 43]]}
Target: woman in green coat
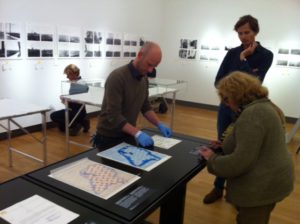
{"points": [[255, 160]]}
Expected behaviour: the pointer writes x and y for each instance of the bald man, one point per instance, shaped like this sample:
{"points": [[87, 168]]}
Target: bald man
{"points": [[126, 94]]}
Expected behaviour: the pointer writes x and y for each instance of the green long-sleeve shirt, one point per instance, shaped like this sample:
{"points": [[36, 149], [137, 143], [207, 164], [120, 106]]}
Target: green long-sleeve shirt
{"points": [[125, 96], [257, 164]]}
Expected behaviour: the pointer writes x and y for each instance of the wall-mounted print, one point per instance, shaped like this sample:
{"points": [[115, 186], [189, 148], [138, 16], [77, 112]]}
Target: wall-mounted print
{"points": [[69, 42], [40, 41], [283, 51], [282, 62], [93, 44], [10, 41], [295, 51], [211, 52], [132, 45], [113, 43], [188, 49], [294, 64]]}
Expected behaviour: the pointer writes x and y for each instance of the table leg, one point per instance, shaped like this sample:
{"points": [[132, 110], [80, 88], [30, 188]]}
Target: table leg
{"points": [[172, 210]]}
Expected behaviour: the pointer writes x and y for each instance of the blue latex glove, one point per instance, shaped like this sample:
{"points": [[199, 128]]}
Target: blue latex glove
{"points": [[166, 131], [145, 140]]}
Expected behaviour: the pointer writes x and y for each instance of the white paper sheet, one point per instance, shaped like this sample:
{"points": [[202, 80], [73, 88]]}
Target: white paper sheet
{"points": [[94, 178], [37, 210], [163, 142]]}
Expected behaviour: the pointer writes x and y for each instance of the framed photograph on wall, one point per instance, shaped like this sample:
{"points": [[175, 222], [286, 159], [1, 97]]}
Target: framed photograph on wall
{"points": [[40, 41], [93, 44], [10, 40], [69, 42]]}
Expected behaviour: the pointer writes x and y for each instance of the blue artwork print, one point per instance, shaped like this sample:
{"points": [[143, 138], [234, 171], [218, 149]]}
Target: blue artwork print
{"points": [[134, 156], [138, 156]]}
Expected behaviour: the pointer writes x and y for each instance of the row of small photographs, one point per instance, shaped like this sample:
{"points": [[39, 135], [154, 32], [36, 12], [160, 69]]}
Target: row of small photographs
{"points": [[192, 54], [193, 45], [294, 64], [289, 51], [75, 53], [91, 37]]}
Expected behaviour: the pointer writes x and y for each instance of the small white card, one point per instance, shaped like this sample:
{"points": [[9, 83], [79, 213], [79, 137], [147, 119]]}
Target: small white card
{"points": [[163, 142]]}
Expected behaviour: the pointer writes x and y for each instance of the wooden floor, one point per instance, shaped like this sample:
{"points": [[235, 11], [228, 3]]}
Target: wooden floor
{"points": [[188, 120]]}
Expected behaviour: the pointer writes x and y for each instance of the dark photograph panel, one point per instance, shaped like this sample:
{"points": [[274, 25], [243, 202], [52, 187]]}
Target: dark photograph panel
{"points": [[142, 42], [132, 54], [74, 39], [109, 54], [97, 54], [182, 53], [47, 53], [97, 38], [13, 36], [33, 36], [88, 54], [133, 43], [47, 37], [127, 42], [63, 53], [63, 38], [117, 54], [34, 52], [295, 51], [117, 41], [126, 54], [282, 62], [2, 50], [14, 51], [1, 35], [89, 37], [109, 41], [74, 54], [183, 43], [283, 51], [294, 64]]}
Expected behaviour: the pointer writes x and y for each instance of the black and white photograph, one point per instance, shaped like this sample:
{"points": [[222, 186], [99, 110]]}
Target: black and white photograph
{"points": [[132, 44], [10, 37], [114, 45], [1, 31], [188, 44], [2, 49], [294, 64], [69, 44], [40, 40], [93, 44], [47, 37], [282, 62], [182, 53], [295, 51], [47, 53], [283, 51], [188, 48]]}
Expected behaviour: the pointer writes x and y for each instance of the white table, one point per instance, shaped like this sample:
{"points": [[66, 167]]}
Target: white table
{"points": [[95, 97], [11, 109]]}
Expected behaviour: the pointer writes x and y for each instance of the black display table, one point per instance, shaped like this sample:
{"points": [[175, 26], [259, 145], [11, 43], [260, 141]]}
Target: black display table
{"points": [[164, 186]]}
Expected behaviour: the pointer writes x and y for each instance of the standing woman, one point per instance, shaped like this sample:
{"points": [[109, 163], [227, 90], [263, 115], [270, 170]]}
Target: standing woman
{"points": [[256, 163]]}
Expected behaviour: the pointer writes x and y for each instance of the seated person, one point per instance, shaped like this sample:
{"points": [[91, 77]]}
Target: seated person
{"points": [[76, 87]]}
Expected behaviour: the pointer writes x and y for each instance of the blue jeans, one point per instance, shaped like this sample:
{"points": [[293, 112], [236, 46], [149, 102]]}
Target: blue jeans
{"points": [[225, 118]]}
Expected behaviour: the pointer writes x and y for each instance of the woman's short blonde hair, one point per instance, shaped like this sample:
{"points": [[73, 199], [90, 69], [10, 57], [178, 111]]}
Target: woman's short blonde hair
{"points": [[71, 68], [241, 88]]}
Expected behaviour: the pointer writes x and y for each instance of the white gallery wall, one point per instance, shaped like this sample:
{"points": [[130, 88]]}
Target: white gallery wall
{"points": [[164, 21], [39, 80]]}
